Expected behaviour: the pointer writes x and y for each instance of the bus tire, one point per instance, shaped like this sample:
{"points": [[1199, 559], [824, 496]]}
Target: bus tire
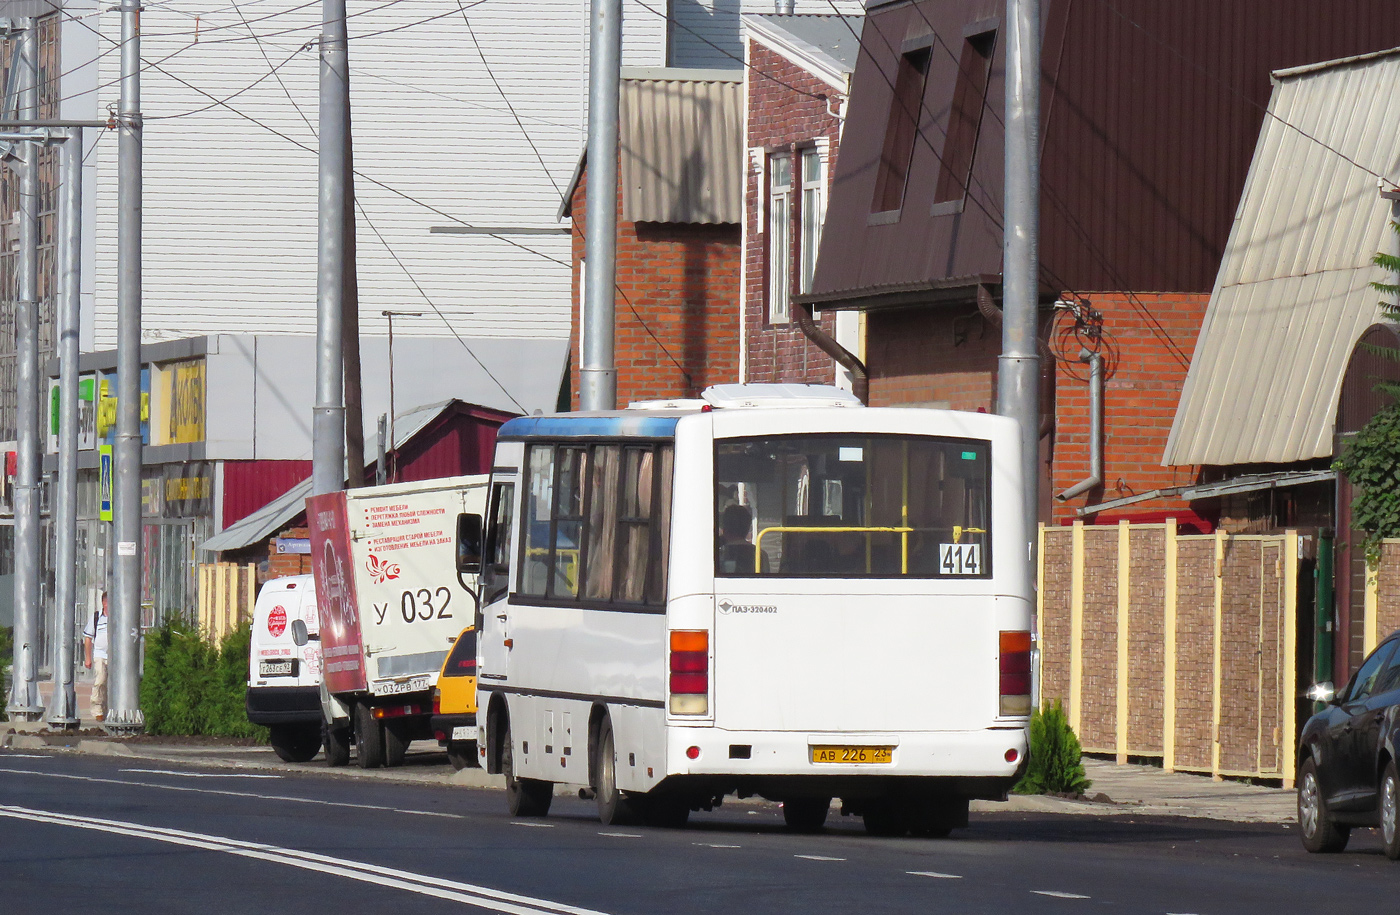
{"points": [[462, 754], [806, 814], [936, 818], [369, 737], [337, 743], [297, 742], [525, 797], [615, 808], [396, 741], [886, 817], [667, 811]]}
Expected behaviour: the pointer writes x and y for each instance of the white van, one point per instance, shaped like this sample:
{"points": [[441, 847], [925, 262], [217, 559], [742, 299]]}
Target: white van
{"points": [[284, 680]]}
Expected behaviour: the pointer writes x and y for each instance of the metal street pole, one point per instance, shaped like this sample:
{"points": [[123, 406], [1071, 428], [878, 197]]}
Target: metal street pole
{"points": [[597, 371], [24, 695], [328, 416], [1018, 369], [392, 453], [124, 619], [63, 711]]}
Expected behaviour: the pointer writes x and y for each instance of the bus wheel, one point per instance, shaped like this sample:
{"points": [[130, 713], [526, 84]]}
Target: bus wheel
{"points": [[337, 743], [462, 754], [614, 807], [396, 741], [296, 742], [525, 797], [667, 811], [369, 737], [806, 814], [935, 818], [886, 817]]}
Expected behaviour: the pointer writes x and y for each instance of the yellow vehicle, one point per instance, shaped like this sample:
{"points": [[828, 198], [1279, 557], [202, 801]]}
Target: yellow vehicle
{"points": [[454, 701]]}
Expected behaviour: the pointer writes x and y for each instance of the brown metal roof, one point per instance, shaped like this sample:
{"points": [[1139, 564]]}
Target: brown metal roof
{"points": [[682, 148], [1149, 115]]}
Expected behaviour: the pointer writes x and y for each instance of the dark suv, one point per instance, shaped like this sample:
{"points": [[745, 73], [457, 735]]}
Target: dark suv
{"points": [[1347, 757]]}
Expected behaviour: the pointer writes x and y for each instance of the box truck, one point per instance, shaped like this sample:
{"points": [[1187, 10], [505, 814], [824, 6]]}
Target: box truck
{"points": [[391, 605]]}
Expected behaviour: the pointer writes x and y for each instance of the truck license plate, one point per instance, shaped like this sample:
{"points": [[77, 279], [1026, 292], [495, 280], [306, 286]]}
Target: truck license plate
{"points": [[286, 667], [464, 733], [849, 755], [396, 688]]}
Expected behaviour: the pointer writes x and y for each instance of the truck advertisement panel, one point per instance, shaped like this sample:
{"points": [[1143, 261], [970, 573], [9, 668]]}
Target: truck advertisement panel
{"points": [[342, 647], [403, 538]]}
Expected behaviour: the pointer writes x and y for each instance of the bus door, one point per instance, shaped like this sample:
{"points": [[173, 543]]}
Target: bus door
{"points": [[493, 620]]}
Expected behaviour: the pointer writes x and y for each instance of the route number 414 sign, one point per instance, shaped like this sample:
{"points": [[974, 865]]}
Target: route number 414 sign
{"points": [[960, 558]]}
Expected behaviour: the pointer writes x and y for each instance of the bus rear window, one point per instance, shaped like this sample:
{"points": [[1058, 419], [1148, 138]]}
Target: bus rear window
{"points": [[853, 506]]}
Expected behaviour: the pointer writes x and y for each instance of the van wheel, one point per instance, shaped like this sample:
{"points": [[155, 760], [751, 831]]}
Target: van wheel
{"points": [[614, 807], [462, 754], [295, 743], [886, 817], [337, 742], [369, 737], [806, 814], [396, 741], [525, 797]]}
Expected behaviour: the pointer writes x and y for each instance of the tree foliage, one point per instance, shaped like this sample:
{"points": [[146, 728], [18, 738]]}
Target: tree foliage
{"points": [[1055, 765], [1371, 461], [193, 686]]}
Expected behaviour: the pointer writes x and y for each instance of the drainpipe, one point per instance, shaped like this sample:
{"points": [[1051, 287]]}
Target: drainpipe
{"points": [[783, 7], [1095, 477], [860, 378]]}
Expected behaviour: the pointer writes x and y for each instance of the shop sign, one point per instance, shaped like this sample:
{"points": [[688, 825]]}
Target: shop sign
{"points": [[181, 397], [188, 490]]}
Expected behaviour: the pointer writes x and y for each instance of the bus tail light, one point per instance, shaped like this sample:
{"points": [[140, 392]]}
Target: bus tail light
{"points": [[1015, 673], [690, 672]]}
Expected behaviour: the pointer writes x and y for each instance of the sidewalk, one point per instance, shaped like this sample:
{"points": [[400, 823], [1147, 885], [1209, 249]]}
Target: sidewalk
{"points": [[1149, 791]]}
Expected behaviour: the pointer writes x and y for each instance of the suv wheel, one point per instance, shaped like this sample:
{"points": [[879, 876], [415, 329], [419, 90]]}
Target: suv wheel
{"points": [[1390, 811], [1320, 833]]}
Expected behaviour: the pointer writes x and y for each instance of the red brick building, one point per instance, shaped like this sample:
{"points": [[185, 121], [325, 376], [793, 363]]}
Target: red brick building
{"points": [[678, 236], [799, 69]]}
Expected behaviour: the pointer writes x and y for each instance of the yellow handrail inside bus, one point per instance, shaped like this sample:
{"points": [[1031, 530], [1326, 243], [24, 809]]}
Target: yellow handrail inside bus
{"points": [[785, 529]]}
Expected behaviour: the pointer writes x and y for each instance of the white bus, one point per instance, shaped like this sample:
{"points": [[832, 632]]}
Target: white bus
{"points": [[773, 592]]}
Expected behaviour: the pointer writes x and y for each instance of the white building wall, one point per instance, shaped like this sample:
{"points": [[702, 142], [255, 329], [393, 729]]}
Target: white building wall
{"points": [[707, 33], [230, 163]]}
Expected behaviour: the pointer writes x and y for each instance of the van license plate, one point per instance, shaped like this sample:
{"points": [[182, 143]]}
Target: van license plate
{"points": [[464, 733], [282, 668], [849, 755]]}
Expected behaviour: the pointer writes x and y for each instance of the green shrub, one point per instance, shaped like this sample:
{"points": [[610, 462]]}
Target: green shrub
{"points": [[1371, 461], [192, 686], [1054, 766]]}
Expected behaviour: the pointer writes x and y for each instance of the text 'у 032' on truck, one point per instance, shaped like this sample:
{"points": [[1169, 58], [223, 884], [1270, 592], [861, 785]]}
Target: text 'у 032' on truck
{"points": [[391, 605]]}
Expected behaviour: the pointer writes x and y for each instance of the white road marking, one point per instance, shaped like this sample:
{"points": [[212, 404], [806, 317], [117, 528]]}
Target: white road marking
{"points": [[934, 874], [1059, 894], [621, 835], [528, 823], [714, 845], [199, 774], [818, 858], [242, 794], [8, 755], [479, 896]]}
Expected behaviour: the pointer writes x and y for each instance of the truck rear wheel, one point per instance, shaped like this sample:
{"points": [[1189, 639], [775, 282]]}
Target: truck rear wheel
{"points": [[396, 741], [296, 742], [462, 754], [369, 737], [337, 742]]}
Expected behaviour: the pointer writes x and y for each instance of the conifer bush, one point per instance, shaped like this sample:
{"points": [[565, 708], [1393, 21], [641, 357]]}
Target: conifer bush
{"points": [[1055, 765], [192, 686]]}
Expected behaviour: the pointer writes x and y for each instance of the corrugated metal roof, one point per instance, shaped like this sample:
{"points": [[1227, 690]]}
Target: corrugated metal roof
{"points": [[682, 143], [1292, 296]]}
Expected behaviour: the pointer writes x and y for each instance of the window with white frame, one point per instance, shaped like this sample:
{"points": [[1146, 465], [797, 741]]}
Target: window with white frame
{"points": [[779, 237], [813, 207]]}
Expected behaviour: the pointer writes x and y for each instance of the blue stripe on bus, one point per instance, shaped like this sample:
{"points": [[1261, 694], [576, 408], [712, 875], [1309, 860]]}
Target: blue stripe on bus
{"points": [[639, 425]]}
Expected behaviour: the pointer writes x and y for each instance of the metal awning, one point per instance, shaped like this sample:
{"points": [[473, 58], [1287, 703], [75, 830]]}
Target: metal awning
{"points": [[1251, 483], [262, 523]]}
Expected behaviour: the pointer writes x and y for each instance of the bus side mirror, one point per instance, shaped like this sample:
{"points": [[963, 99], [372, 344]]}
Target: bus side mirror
{"points": [[468, 543], [300, 634]]}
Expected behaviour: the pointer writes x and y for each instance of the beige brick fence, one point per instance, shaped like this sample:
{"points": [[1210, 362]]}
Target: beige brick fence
{"points": [[1177, 646], [226, 594]]}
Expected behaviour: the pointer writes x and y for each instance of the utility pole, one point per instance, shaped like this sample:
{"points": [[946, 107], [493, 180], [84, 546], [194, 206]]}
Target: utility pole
{"points": [[392, 453], [63, 711], [1018, 369], [124, 618], [328, 417], [24, 695], [597, 371]]}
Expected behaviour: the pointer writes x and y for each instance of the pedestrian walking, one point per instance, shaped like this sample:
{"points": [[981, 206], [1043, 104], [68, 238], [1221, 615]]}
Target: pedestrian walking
{"points": [[95, 658]]}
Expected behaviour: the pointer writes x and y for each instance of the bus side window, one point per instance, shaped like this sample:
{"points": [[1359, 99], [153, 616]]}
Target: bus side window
{"points": [[495, 577]]}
